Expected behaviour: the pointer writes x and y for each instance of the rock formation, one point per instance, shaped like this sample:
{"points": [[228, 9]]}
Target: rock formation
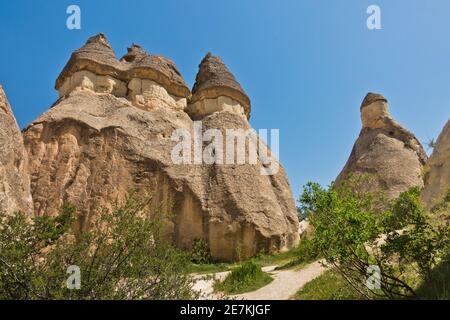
{"points": [[14, 180], [239, 196], [385, 150], [215, 89], [437, 172], [112, 131]]}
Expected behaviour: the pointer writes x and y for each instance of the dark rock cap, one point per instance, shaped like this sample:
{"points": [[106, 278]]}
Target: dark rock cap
{"points": [[214, 79], [371, 97], [98, 57], [157, 68]]}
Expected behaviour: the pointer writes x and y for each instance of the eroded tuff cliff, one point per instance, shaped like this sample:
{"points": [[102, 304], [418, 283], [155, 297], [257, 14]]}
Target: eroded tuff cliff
{"points": [[111, 131], [14, 180], [390, 154], [437, 172]]}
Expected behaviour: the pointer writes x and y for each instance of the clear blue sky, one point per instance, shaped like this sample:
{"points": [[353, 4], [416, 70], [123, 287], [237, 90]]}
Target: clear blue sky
{"points": [[306, 65]]}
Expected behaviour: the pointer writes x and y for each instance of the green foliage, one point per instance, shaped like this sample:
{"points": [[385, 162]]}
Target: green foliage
{"points": [[447, 198], [439, 287], [328, 286], [50, 229], [276, 258], [305, 252], [247, 277], [308, 200], [353, 232], [200, 253], [283, 259], [212, 267], [413, 238], [443, 205], [125, 256]]}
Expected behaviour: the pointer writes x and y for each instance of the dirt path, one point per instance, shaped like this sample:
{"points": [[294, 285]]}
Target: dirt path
{"points": [[285, 284]]}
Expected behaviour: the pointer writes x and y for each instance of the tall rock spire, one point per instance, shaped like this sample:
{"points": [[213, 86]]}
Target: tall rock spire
{"points": [[14, 180], [214, 80], [384, 150]]}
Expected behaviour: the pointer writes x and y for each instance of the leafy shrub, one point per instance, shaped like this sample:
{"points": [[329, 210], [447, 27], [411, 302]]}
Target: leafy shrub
{"points": [[124, 256], [200, 253], [328, 286], [248, 276], [352, 233], [305, 252], [443, 205]]}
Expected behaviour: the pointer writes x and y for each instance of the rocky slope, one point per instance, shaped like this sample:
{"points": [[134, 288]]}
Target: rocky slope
{"points": [[390, 154], [111, 131], [437, 176], [14, 180]]}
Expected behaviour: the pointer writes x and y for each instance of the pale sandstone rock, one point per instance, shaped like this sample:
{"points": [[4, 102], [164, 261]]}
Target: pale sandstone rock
{"points": [[385, 150], [437, 176], [86, 80], [147, 94], [14, 180], [93, 146], [203, 107]]}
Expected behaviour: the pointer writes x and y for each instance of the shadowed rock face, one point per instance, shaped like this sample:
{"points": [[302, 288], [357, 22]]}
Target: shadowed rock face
{"points": [[437, 176], [14, 181], [385, 150], [99, 141]]}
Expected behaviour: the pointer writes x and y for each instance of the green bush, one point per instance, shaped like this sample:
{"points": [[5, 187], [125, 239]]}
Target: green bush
{"points": [[200, 253], [305, 252], [353, 232], [124, 256], [247, 277], [328, 286]]}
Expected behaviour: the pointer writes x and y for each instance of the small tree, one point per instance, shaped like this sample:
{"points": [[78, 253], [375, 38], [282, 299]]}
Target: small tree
{"points": [[353, 234]]}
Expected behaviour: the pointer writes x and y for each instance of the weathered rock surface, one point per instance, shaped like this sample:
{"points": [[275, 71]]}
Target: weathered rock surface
{"points": [[262, 200], [437, 176], [214, 81], [385, 150], [14, 180], [100, 140], [97, 57]]}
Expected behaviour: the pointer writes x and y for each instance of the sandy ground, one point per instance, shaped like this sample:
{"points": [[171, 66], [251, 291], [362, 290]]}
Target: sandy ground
{"points": [[285, 284]]}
